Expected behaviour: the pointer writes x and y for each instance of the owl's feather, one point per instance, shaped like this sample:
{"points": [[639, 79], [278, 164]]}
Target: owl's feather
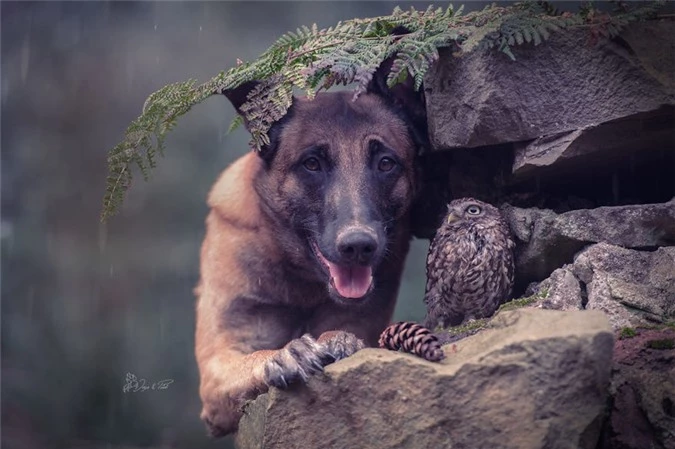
{"points": [[469, 265]]}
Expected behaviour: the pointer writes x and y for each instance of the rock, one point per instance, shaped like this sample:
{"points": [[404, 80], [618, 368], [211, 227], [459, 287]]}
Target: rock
{"points": [[546, 241], [642, 390], [634, 288], [534, 379], [595, 145], [484, 98], [643, 283], [547, 150], [563, 292], [657, 60]]}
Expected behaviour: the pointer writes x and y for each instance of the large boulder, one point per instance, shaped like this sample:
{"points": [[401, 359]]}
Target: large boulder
{"points": [[533, 379], [568, 84], [546, 240], [633, 288], [642, 413]]}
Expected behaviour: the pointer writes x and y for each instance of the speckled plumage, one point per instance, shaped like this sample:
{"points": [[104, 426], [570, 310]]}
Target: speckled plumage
{"points": [[469, 265]]}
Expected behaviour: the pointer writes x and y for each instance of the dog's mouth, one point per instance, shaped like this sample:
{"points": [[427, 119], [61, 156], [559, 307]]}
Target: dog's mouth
{"points": [[349, 281]]}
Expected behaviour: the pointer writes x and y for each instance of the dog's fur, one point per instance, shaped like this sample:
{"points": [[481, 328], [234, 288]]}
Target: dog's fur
{"points": [[265, 292]]}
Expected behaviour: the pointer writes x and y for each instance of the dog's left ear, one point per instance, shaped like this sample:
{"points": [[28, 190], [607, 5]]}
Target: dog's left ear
{"points": [[402, 95]]}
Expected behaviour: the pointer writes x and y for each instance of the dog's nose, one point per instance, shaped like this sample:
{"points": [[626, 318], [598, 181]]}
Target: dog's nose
{"points": [[357, 247]]}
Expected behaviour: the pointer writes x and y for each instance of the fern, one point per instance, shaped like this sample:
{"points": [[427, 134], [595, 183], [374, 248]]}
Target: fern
{"points": [[313, 59]]}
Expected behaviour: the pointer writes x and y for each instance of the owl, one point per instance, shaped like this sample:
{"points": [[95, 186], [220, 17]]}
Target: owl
{"points": [[469, 265]]}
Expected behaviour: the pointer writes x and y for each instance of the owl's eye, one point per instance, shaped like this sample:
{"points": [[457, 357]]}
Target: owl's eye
{"points": [[473, 210]]}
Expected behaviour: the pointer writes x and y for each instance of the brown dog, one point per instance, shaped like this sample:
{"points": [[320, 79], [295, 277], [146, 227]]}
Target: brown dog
{"points": [[305, 245]]}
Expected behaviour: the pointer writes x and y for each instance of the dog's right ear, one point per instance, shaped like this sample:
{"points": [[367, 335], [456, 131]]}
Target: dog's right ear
{"points": [[239, 95]]}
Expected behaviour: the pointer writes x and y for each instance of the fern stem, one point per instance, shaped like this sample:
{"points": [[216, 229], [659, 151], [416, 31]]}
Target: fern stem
{"points": [[342, 42], [112, 191]]}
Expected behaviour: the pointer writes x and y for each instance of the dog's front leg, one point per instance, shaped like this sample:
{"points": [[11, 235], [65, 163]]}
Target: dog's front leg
{"points": [[296, 361], [229, 378]]}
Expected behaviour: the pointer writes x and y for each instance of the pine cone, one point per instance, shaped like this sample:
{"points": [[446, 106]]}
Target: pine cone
{"points": [[412, 338]]}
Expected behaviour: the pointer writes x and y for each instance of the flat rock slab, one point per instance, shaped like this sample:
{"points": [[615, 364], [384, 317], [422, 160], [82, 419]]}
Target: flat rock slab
{"points": [[563, 85], [546, 240], [534, 379], [595, 145], [633, 288]]}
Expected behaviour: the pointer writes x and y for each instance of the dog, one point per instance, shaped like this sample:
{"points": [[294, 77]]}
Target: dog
{"points": [[305, 243]]}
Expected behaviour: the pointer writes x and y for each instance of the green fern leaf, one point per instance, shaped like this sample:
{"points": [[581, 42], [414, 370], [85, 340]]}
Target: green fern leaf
{"points": [[313, 59], [236, 123]]}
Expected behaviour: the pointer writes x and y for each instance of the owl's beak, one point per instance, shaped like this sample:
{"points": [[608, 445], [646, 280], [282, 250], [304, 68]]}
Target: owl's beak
{"points": [[452, 217]]}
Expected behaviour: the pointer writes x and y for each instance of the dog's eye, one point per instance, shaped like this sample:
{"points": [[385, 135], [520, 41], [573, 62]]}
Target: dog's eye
{"points": [[312, 164], [473, 210], [386, 164]]}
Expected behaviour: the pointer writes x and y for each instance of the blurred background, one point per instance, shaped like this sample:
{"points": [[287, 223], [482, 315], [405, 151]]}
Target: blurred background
{"points": [[85, 303]]}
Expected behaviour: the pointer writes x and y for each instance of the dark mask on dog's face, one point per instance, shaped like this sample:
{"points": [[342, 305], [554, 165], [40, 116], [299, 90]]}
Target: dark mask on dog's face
{"points": [[342, 175]]}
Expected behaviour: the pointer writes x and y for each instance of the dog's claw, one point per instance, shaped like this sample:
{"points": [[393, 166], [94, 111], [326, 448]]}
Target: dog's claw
{"points": [[298, 360], [304, 356]]}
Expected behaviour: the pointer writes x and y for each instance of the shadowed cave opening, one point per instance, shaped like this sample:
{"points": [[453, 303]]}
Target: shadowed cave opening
{"points": [[640, 170]]}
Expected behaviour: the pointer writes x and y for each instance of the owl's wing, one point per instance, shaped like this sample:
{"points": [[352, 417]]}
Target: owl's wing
{"points": [[437, 264]]}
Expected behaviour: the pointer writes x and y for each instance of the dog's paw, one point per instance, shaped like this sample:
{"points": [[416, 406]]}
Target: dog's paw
{"points": [[342, 344], [296, 361], [218, 421]]}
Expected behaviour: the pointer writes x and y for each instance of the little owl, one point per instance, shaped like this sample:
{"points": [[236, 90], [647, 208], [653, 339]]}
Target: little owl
{"points": [[469, 266]]}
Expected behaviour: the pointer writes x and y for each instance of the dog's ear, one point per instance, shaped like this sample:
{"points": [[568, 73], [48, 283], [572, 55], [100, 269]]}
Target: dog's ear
{"points": [[402, 95], [238, 96]]}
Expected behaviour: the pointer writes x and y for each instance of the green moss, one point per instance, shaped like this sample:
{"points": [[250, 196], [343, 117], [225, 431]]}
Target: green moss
{"points": [[665, 343], [658, 326], [464, 330], [473, 326], [522, 302], [468, 327], [627, 332]]}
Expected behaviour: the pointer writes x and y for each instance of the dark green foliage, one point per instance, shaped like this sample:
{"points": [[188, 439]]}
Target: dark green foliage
{"points": [[312, 59], [627, 332], [665, 343]]}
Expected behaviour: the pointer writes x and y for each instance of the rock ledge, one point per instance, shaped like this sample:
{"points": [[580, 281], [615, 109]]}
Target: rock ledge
{"points": [[534, 379]]}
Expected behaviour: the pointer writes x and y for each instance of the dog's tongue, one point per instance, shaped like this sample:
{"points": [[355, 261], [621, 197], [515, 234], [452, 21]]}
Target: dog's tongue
{"points": [[351, 282]]}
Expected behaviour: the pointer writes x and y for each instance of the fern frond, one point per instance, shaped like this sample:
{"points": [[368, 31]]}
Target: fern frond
{"points": [[313, 59], [236, 123]]}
